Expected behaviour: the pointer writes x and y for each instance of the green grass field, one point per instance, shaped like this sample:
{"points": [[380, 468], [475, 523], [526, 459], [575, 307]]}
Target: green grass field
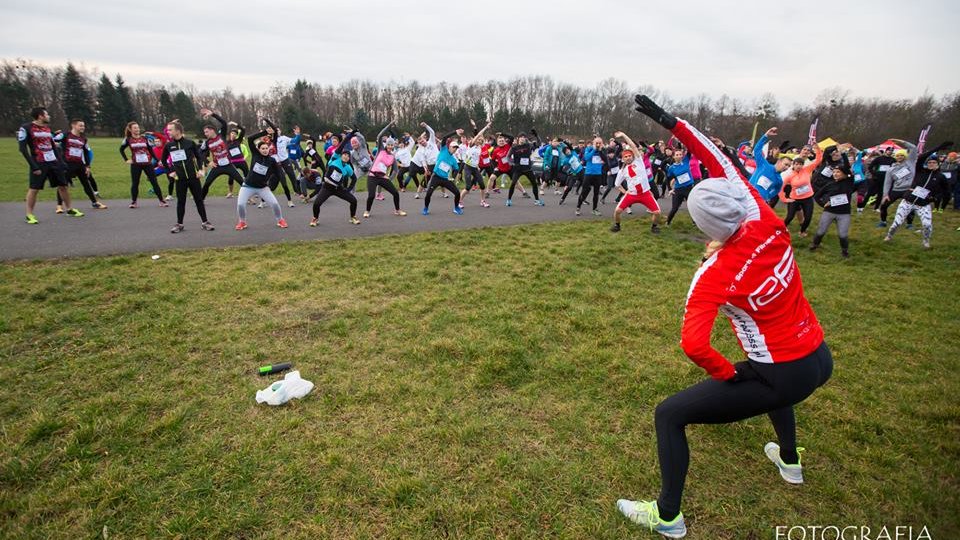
{"points": [[505, 390]]}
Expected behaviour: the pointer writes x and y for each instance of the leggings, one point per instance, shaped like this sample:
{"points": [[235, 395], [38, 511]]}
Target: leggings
{"points": [[373, 182], [193, 184], [216, 172], [413, 173], [515, 177], [894, 197], [843, 228], [265, 195], [571, 181], [768, 388], [135, 171], [471, 177], [874, 187], [679, 195], [611, 183], [287, 166], [80, 172], [327, 191], [436, 182], [590, 181], [906, 210], [279, 179], [804, 205]]}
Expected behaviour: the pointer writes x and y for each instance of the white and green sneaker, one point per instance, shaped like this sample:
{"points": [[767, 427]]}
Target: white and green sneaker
{"points": [[791, 473], [645, 513]]}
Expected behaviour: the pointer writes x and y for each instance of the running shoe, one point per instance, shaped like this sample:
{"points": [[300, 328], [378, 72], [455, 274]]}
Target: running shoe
{"points": [[313, 222], [289, 203], [578, 211], [596, 213], [655, 229], [164, 204], [96, 194], [509, 202], [926, 244], [615, 227], [99, 206], [379, 197], [539, 203], [859, 211], [282, 223], [59, 209], [525, 195], [416, 195], [260, 205], [425, 211], [168, 198], [31, 219], [150, 191], [457, 211], [400, 213], [485, 204], [629, 210], [882, 225], [229, 195], [241, 225], [134, 205], [497, 190], [803, 235], [73, 212], [354, 220], [446, 195], [887, 238], [207, 226], [793, 474], [176, 228], [555, 192], [645, 513], [460, 205], [871, 200], [366, 214]]}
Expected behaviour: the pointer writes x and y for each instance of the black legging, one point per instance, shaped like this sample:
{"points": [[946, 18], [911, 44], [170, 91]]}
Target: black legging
{"points": [[471, 177], [216, 172], [590, 181], [327, 191], [515, 175], [79, 172], [774, 390], [894, 197], [679, 195], [571, 181], [413, 173], [135, 171], [437, 182], [193, 184], [373, 182], [287, 166], [804, 205], [874, 187], [279, 179], [611, 183]]}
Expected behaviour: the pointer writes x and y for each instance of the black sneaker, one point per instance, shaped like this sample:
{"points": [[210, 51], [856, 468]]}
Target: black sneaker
{"points": [[655, 229], [615, 227]]}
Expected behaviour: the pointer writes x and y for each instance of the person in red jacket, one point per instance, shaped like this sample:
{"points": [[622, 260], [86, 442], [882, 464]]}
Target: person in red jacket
{"points": [[749, 274]]}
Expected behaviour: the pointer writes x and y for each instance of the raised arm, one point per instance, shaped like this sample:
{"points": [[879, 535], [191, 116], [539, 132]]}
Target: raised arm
{"points": [[381, 134], [478, 136], [431, 135], [633, 147], [252, 140]]}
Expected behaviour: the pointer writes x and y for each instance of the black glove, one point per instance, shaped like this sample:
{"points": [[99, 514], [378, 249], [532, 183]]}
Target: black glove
{"points": [[744, 372], [646, 106]]}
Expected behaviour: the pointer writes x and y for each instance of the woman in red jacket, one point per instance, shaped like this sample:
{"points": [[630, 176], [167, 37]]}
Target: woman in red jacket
{"points": [[749, 274]]}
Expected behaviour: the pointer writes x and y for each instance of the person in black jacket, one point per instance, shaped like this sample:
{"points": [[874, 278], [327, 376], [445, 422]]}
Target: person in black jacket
{"points": [[927, 187], [184, 154], [878, 171], [834, 197]]}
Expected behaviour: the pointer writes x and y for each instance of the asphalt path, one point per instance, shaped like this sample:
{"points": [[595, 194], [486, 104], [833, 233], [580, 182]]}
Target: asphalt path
{"points": [[121, 230]]}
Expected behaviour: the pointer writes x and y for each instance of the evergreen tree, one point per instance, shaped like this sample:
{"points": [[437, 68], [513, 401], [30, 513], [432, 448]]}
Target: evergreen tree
{"points": [[361, 121], [184, 110], [125, 108], [166, 105], [75, 97], [14, 105], [478, 113], [108, 114]]}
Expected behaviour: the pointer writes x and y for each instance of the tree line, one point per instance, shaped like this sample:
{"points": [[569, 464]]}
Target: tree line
{"points": [[107, 103]]}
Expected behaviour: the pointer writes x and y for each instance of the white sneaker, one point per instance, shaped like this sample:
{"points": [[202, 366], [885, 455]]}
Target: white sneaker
{"points": [[646, 514], [793, 474], [260, 205], [290, 204], [168, 198]]}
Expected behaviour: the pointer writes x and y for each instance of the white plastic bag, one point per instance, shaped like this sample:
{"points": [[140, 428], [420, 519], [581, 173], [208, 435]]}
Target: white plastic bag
{"points": [[280, 392]]}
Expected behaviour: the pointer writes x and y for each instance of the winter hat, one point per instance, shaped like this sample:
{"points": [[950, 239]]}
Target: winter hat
{"points": [[718, 207]]}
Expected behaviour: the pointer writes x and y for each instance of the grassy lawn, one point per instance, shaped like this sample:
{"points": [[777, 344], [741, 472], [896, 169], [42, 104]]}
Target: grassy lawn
{"points": [[504, 390]]}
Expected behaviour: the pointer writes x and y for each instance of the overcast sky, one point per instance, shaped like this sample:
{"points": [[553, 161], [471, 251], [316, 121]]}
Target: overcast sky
{"points": [[683, 47]]}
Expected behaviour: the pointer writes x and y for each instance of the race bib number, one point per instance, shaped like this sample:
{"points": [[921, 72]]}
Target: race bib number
{"points": [[312, 152], [902, 173], [921, 192], [75, 152], [178, 156], [883, 168], [336, 176], [142, 158], [556, 152], [657, 162], [803, 190], [574, 163], [683, 178], [505, 160], [49, 155], [858, 177], [235, 152], [764, 182], [948, 175], [615, 170], [827, 171], [597, 160], [839, 200], [364, 162], [524, 161], [223, 161], [379, 167], [444, 166], [260, 169]]}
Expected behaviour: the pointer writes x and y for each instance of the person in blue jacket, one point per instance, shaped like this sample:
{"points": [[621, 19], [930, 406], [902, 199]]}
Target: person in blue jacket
{"points": [[338, 181], [859, 179], [446, 165], [766, 178], [680, 180], [596, 163], [571, 170]]}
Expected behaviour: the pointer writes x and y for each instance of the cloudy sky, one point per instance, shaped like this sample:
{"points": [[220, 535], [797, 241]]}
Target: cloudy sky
{"points": [[684, 47]]}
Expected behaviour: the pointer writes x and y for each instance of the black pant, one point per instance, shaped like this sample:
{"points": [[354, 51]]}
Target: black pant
{"points": [[471, 177], [327, 191], [679, 195], [590, 181], [874, 187], [436, 182], [611, 183], [414, 173], [79, 171], [515, 175], [373, 182], [279, 179], [570, 181], [193, 184], [894, 197], [135, 171], [216, 172], [287, 166], [804, 205], [772, 389]]}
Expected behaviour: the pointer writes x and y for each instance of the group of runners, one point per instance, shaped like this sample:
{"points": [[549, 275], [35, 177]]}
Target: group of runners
{"points": [[748, 271]]}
